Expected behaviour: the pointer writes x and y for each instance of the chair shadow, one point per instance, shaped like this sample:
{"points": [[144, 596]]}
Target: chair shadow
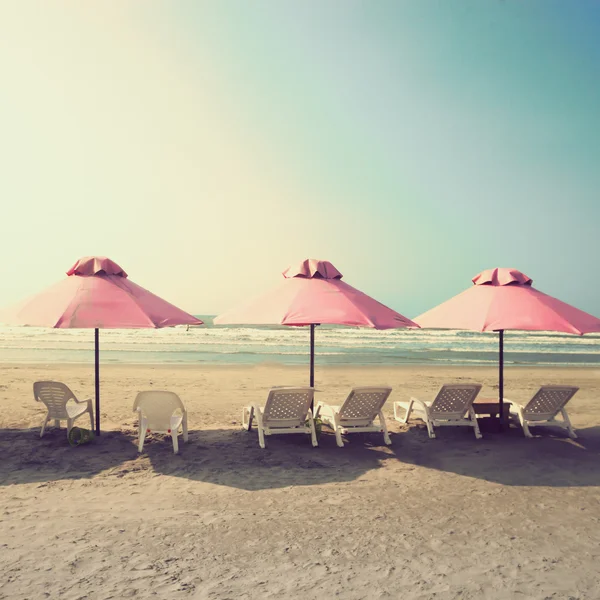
{"points": [[549, 459], [232, 457], [27, 458], [227, 457]]}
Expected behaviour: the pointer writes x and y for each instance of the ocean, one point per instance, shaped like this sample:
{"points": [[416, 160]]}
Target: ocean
{"points": [[211, 344]]}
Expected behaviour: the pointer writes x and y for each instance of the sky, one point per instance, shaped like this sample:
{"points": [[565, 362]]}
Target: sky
{"points": [[205, 146]]}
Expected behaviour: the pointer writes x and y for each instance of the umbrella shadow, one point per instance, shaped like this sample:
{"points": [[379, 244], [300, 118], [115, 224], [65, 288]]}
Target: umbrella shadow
{"points": [[27, 458], [227, 457], [549, 459], [233, 458]]}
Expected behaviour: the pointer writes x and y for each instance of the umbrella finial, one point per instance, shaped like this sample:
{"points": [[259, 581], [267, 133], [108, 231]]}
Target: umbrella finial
{"points": [[96, 265], [313, 268], [501, 276]]}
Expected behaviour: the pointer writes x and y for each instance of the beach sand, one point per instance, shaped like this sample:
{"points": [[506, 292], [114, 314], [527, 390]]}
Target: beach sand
{"points": [[503, 517]]}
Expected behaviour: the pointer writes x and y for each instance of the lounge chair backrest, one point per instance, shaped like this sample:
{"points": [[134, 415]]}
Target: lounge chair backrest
{"points": [[363, 404], [158, 407], [288, 406], [453, 400], [55, 396], [547, 401]]}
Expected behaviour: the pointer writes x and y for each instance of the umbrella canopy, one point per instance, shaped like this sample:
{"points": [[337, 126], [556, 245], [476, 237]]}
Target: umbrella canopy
{"points": [[502, 299], [313, 293], [97, 294], [505, 299]]}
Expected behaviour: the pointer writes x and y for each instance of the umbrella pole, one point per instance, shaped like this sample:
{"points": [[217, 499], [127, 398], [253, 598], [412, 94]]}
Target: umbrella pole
{"points": [[501, 375], [312, 355], [97, 360]]}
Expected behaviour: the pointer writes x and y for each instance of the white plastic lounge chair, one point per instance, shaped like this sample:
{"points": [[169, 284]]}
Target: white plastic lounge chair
{"points": [[453, 405], [57, 397], [543, 408], [158, 413], [357, 414], [287, 411]]}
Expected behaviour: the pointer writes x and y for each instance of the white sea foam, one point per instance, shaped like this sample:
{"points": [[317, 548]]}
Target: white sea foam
{"points": [[290, 344]]}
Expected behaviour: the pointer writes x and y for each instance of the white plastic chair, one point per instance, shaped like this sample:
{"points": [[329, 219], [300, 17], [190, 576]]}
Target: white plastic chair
{"points": [[357, 414], [287, 410], [453, 405], [61, 403], [159, 413], [543, 409]]}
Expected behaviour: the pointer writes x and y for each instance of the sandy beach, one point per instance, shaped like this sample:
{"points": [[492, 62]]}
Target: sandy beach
{"points": [[503, 517]]}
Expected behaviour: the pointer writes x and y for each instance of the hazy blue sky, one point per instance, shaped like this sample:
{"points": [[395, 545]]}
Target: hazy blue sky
{"points": [[205, 146]]}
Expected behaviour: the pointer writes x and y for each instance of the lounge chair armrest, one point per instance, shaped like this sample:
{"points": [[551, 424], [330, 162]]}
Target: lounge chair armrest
{"points": [[323, 407], [513, 402], [421, 403]]}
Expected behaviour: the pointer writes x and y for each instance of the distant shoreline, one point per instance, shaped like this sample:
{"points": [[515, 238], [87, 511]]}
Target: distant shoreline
{"points": [[290, 346], [275, 365]]}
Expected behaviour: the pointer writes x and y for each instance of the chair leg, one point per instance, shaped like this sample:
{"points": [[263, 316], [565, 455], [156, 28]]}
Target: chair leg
{"points": [[524, 425], [69, 426], [44, 423], [175, 441], [318, 410], [313, 431], [57, 423], [247, 416], [338, 435], [261, 437], [429, 424], [567, 421], [142, 434], [398, 417], [91, 420], [473, 416], [184, 427], [384, 429]]}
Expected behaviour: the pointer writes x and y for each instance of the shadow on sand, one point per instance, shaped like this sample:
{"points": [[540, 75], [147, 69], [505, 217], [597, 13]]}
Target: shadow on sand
{"points": [[549, 459], [231, 457], [228, 457]]}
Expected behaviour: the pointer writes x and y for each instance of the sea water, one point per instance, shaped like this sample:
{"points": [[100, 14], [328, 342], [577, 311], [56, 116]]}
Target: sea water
{"points": [[211, 344]]}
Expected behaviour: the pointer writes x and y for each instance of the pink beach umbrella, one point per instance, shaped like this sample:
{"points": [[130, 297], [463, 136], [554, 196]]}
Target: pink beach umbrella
{"points": [[313, 293], [97, 295], [502, 299]]}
